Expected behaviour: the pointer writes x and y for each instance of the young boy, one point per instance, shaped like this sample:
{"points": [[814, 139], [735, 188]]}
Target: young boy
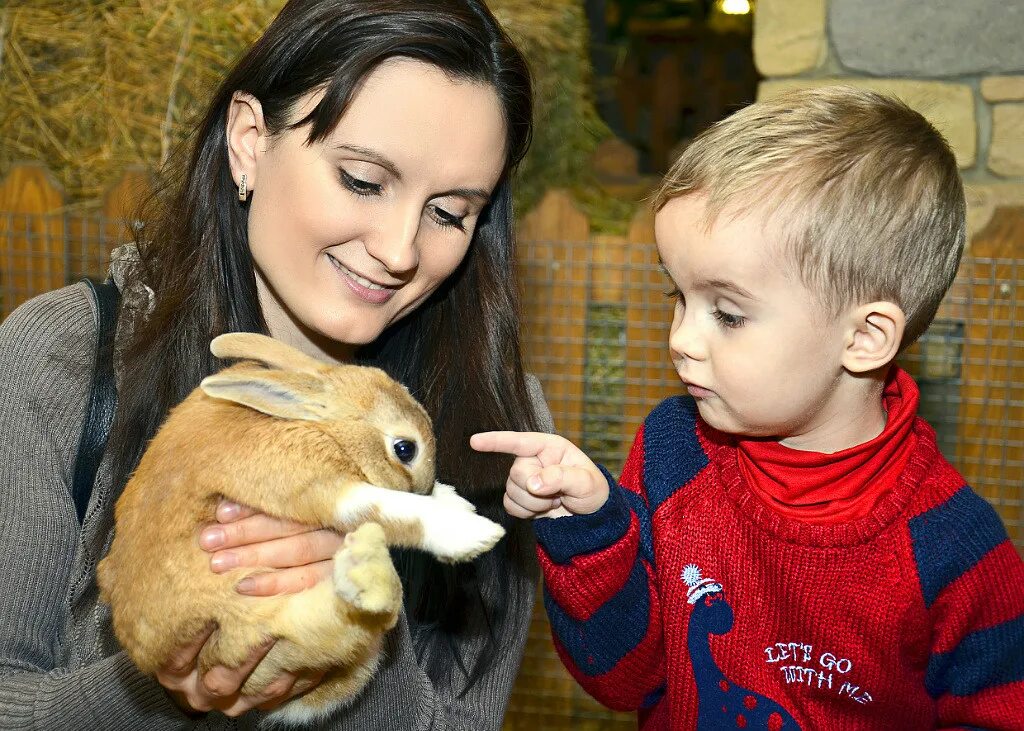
{"points": [[788, 549]]}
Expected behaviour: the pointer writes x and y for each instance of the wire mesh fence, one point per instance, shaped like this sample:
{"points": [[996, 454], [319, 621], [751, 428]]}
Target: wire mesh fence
{"points": [[595, 331], [39, 253]]}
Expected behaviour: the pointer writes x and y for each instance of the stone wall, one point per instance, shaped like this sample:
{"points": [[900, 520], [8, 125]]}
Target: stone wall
{"points": [[960, 63]]}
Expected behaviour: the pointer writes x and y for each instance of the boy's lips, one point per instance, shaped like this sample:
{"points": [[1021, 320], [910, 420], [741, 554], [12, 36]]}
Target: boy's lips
{"points": [[698, 391]]}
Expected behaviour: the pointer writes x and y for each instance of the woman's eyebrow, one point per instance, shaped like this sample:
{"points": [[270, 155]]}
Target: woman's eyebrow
{"points": [[478, 193], [373, 156]]}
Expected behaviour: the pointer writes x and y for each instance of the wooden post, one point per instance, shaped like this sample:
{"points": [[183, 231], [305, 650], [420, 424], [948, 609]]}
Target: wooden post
{"points": [[666, 109], [649, 373], [120, 208], [554, 256], [615, 160], [122, 200], [31, 235], [630, 94], [991, 455]]}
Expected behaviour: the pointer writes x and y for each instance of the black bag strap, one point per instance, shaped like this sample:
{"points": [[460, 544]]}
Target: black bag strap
{"points": [[102, 396]]}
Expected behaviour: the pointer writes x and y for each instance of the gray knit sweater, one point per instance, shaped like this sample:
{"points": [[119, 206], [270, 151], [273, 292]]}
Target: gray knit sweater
{"points": [[60, 666]]}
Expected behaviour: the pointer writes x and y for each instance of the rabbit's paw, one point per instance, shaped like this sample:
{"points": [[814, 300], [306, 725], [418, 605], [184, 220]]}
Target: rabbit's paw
{"points": [[455, 536], [364, 575], [447, 495]]}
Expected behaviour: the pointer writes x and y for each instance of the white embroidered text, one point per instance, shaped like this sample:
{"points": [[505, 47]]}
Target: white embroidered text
{"points": [[806, 667]]}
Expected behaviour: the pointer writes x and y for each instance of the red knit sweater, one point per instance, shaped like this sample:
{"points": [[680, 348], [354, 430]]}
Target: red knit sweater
{"points": [[687, 598]]}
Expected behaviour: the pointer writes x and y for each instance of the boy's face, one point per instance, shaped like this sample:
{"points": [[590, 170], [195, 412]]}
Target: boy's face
{"points": [[751, 343]]}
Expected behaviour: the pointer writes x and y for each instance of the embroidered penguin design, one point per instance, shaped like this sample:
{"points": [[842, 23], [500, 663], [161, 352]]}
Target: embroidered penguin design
{"points": [[721, 704]]}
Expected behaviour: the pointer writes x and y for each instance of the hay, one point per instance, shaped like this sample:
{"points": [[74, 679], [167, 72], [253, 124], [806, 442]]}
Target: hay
{"points": [[92, 86]]}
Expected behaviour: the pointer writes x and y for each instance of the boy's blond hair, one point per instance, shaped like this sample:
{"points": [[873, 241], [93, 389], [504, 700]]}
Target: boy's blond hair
{"points": [[864, 191]]}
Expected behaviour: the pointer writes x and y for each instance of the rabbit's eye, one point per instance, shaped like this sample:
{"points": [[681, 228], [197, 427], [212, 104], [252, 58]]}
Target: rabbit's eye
{"points": [[405, 450]]}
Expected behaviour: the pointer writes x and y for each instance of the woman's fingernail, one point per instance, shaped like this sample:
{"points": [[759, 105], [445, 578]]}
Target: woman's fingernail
{"points": [[534, 483], [223, 562], [211, 538], [245, 585], [227, 510]]}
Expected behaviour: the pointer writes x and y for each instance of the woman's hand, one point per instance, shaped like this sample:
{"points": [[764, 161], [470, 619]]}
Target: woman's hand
{"points": [[219, 688], [302, 556]]}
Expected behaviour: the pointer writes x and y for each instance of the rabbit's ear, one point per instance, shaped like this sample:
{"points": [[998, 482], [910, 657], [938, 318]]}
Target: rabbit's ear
{"points": [[285, 395], [253, 346]]}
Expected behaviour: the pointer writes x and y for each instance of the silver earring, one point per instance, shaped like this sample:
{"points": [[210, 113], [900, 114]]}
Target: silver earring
{"points": [[241, 188]]}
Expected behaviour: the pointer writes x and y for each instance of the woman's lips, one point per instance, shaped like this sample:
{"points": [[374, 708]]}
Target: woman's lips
{"points": [[362, 287]]}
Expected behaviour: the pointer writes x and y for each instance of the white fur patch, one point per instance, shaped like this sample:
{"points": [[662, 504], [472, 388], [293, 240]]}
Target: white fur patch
{"points": [[297, 713], [451, 529]]}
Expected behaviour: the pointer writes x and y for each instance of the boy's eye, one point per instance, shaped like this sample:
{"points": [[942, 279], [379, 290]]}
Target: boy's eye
{"points": [[360, 187], [675, 294], [444, 218], [727, 319]]}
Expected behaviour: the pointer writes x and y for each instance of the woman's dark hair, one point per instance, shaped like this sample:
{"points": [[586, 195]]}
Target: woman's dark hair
{"points": [[459, 353]]}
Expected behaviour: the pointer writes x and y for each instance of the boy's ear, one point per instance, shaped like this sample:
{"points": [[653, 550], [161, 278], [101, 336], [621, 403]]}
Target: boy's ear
{"points": [[245, 128], [874, 336]]}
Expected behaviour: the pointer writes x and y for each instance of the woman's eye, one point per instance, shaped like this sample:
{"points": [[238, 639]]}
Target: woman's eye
{"points": [[729, 320], [360, 187], [444, 218]]}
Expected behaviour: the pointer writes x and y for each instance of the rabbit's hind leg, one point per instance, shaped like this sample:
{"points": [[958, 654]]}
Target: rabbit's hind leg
{"points": [[364, 575], [337, 690], [231, 644], [318, 628]]}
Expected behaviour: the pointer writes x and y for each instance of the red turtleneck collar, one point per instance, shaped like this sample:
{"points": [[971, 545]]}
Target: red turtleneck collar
{"points": [[835, 488]]}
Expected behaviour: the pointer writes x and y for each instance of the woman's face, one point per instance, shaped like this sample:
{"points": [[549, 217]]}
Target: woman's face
{"points": [[354, 232]]}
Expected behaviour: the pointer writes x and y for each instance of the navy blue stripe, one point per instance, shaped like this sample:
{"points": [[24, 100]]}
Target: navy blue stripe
{"points": [[640, 510], [654, 697], [576, 535], [951, 538], [672, 453], [599, 643], [983, 659]]}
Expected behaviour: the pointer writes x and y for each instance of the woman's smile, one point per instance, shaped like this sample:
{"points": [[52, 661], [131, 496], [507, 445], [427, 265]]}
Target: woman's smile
{"points": [[362, 287]]}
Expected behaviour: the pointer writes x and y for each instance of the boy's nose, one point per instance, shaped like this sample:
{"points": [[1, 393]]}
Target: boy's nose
{"points": [[685, 340]]}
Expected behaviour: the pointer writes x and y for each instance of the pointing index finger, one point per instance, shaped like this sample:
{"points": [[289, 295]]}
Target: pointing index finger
{"points": [[520, 444]]}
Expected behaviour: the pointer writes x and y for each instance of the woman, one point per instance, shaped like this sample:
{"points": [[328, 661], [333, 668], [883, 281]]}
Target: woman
{"points": [[349, 193]]}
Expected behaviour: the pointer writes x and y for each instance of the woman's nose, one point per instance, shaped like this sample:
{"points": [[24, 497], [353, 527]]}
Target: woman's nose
{"points": [[393, 242]]}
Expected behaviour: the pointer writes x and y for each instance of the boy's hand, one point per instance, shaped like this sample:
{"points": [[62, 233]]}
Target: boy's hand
{"points": [[550, 477]]}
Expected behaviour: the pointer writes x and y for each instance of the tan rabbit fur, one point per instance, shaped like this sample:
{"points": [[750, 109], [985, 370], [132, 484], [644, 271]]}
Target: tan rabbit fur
{"points": [[297, 439]]}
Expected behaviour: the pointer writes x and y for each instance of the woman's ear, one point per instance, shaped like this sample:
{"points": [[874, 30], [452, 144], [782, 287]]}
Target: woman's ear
{"points": [[245, 129], [874, 336]]}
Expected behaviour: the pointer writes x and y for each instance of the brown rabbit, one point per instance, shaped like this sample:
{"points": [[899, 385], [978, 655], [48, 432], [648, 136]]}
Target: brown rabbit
{"points": [[344, 447]]}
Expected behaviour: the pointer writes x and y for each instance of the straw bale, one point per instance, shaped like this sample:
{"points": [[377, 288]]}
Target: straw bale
{"points": [[90, 87]]}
